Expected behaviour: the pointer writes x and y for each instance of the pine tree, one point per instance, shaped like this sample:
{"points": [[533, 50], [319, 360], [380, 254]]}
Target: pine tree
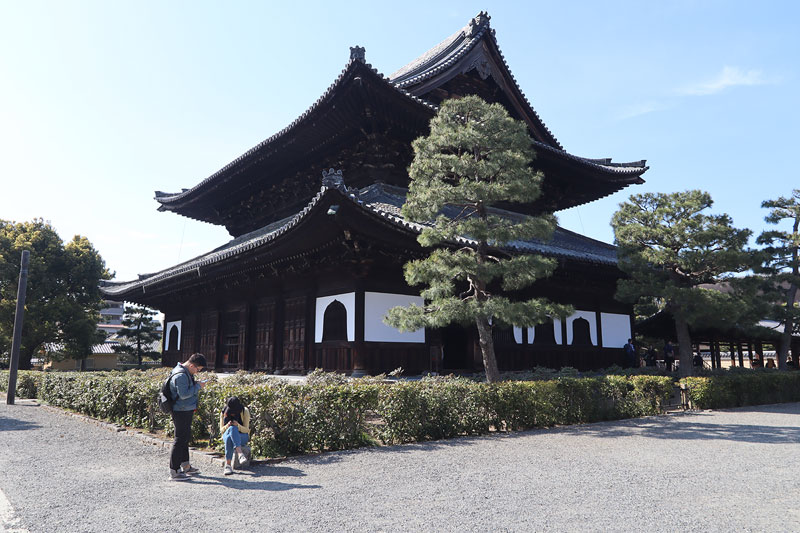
{"points": [[475, 157], [139, 333], [782, 265], [669, 247]]}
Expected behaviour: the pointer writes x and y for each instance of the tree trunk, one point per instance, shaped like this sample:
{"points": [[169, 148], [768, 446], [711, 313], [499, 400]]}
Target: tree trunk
{"points": [[487, 350], [684, 346], [788, 325]]}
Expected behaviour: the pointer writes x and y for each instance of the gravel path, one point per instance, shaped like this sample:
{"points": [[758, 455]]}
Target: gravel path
{"points": [[730, 470]]}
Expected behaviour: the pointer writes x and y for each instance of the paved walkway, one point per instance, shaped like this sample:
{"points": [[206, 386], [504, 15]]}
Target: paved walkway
{"points": [[707, 471]]}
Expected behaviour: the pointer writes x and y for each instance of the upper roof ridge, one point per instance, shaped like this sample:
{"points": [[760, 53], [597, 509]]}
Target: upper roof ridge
{"points": [[450, 52]]}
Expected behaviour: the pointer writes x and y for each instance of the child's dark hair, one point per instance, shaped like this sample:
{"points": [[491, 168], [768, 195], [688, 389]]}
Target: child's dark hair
{"points": [[233, 410], [233, 404]]}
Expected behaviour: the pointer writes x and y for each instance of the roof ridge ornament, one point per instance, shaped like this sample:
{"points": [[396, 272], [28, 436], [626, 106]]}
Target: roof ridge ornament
{"points": [[477, 23], [332, 179], [358, 53]]}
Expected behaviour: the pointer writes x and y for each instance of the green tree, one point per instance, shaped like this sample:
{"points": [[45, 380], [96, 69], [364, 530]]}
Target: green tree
{"points": [[62, 287], [139, 333], [475, 157], [781, 264], [669, 248]]}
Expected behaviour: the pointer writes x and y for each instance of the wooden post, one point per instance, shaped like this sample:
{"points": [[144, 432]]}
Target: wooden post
{"points": [[741, 354], [711, 349], [17, 335], [360, 364]]}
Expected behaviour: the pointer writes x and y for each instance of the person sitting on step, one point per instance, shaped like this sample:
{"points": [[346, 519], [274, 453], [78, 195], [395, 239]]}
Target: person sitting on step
{"points": [[234, 424]]}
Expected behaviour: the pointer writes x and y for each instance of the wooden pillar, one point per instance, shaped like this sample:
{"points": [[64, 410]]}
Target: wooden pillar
{"points": [[741, 354], [732, 354], [360, 366], [711, 349], [309, 355]]}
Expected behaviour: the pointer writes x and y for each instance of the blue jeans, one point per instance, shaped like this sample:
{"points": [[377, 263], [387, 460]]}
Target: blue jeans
{"points": [[233, 439]]}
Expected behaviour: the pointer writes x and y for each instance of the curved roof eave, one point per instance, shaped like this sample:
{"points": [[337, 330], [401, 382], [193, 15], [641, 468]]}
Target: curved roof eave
{"points": [[271, 232], [235, 247], [168, 198], [630, 172], [449, 52]]}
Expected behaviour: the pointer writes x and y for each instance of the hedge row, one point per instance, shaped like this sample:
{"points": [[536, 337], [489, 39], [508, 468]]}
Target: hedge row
{"points": [[331, 413], [740, 388]]}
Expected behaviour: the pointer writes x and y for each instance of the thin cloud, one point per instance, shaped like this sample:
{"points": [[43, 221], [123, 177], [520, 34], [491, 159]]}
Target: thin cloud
{"points": [[729, 77], [640, 109]]}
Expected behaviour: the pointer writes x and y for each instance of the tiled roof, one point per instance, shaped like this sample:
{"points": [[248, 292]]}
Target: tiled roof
{"points": [[450, 51], [384, 201], [103, 348], [166, 198], [387, 200], [429, 64]]}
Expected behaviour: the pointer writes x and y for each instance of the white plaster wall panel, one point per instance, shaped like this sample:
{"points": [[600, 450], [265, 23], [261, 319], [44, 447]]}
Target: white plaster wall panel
{"points": [[169, 326], [591, 317], [376, 305], [616, 329], [517, 335], [349, 302]]}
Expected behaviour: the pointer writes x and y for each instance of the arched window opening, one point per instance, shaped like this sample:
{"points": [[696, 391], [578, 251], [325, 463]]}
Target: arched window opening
{"points": [[172, 338], [544, 333], [334, 323], [581, 335]]}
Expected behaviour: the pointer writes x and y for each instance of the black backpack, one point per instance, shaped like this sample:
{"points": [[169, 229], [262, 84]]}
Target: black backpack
{"points": [[165, 400]]}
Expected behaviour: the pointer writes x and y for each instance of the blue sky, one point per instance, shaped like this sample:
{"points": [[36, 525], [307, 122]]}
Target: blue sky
{"points": [[102, 103]]}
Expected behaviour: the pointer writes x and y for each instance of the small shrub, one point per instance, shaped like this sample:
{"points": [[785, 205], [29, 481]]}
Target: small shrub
{"points": [[740, 388]]}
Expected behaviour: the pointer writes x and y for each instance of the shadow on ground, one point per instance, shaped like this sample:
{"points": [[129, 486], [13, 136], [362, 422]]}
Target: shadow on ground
{"points": [[12, 424], [260, 477]]}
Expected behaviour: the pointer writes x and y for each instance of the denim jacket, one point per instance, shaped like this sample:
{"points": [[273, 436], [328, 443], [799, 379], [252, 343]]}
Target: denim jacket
{"points": [[183, 389]]}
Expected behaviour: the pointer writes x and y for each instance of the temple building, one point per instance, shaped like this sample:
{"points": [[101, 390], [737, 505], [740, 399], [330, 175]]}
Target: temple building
{"points": [[319, 242]]}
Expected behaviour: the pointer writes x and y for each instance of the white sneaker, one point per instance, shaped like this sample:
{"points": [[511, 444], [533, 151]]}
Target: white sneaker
{"points": [[228, 470], [242, 460]]}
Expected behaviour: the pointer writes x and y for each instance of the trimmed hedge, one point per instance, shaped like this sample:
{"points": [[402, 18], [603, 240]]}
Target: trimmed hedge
{"points": [[332, 413], [740, 388]]}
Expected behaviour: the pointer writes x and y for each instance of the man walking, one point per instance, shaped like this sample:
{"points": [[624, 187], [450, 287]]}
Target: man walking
{"points": [[184, 390], [631, 357]]}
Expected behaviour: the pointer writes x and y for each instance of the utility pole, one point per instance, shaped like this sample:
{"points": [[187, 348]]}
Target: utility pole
{"points": [[21, 289]]}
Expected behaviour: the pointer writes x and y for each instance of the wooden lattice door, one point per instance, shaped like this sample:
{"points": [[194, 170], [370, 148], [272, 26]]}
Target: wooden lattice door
{"points": [[188, 340], [264, 355], [294, 333], [209, 325]]}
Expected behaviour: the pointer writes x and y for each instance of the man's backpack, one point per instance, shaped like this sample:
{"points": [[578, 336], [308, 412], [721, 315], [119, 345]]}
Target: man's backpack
{"points": [[165, 400]]}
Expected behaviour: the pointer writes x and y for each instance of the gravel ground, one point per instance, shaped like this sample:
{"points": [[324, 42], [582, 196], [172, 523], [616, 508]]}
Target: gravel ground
{"points": [[705, 471]]}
